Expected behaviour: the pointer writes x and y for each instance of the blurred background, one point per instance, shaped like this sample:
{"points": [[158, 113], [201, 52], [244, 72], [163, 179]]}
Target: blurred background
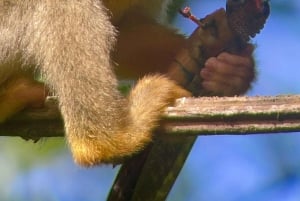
{"points": [[219, 168]]}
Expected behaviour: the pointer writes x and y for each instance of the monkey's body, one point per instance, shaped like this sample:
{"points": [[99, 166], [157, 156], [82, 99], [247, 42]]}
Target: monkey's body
{"points": [[70, 42]]}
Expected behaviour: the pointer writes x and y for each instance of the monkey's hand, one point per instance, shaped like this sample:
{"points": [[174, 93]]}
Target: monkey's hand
{"points": [[220, 31], [229, 74]]}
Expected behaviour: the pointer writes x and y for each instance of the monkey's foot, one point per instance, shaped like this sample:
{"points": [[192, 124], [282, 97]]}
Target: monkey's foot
{"points": [[19, 93]]}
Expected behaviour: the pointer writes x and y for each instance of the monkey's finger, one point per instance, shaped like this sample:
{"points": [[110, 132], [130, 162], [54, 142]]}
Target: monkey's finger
{"points": [[215, 70], [226, 87], [236, 60]]}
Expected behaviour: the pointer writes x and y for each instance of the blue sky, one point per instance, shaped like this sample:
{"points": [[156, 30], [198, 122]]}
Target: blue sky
{"points": [[223, 168]]}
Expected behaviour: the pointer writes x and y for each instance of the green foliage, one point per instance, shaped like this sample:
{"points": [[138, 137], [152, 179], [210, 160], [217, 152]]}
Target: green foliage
{"points": [[28, 153], [125, 86], [173, 9]]}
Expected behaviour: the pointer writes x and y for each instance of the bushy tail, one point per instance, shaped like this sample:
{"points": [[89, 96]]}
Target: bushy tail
{"points": [[146, 103], [148, 100]]}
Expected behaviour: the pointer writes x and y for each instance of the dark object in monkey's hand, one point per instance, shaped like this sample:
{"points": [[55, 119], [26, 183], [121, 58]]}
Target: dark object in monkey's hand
{"points": [[219, 31], [247, 18]]}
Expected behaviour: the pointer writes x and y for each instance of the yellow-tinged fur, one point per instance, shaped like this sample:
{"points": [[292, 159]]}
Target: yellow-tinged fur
{"points": [[135, 130]]}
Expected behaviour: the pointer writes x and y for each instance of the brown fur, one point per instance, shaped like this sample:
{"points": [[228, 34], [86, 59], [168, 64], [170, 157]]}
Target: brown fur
{"points": [[70, 43]]}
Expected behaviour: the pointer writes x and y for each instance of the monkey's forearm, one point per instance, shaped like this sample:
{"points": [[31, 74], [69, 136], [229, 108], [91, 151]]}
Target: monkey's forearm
{"points": [[145, 46]]}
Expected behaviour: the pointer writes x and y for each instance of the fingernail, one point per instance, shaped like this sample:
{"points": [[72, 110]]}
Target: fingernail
{"points": [[209, 62]]}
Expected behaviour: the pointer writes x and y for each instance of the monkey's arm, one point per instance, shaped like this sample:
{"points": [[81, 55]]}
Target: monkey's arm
{"points": [[145, 46]]}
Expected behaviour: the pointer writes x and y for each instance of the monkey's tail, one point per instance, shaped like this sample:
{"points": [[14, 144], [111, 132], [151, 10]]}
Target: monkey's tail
{"points": [[148, 99], [146, 103]]}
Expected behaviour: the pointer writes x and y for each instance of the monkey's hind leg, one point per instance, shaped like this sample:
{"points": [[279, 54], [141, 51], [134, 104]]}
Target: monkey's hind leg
{"points": [[18, 92]]}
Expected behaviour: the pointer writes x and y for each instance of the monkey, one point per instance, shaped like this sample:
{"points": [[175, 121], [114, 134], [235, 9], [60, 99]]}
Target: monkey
{"points": [[74, 45], [70, 43]]}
